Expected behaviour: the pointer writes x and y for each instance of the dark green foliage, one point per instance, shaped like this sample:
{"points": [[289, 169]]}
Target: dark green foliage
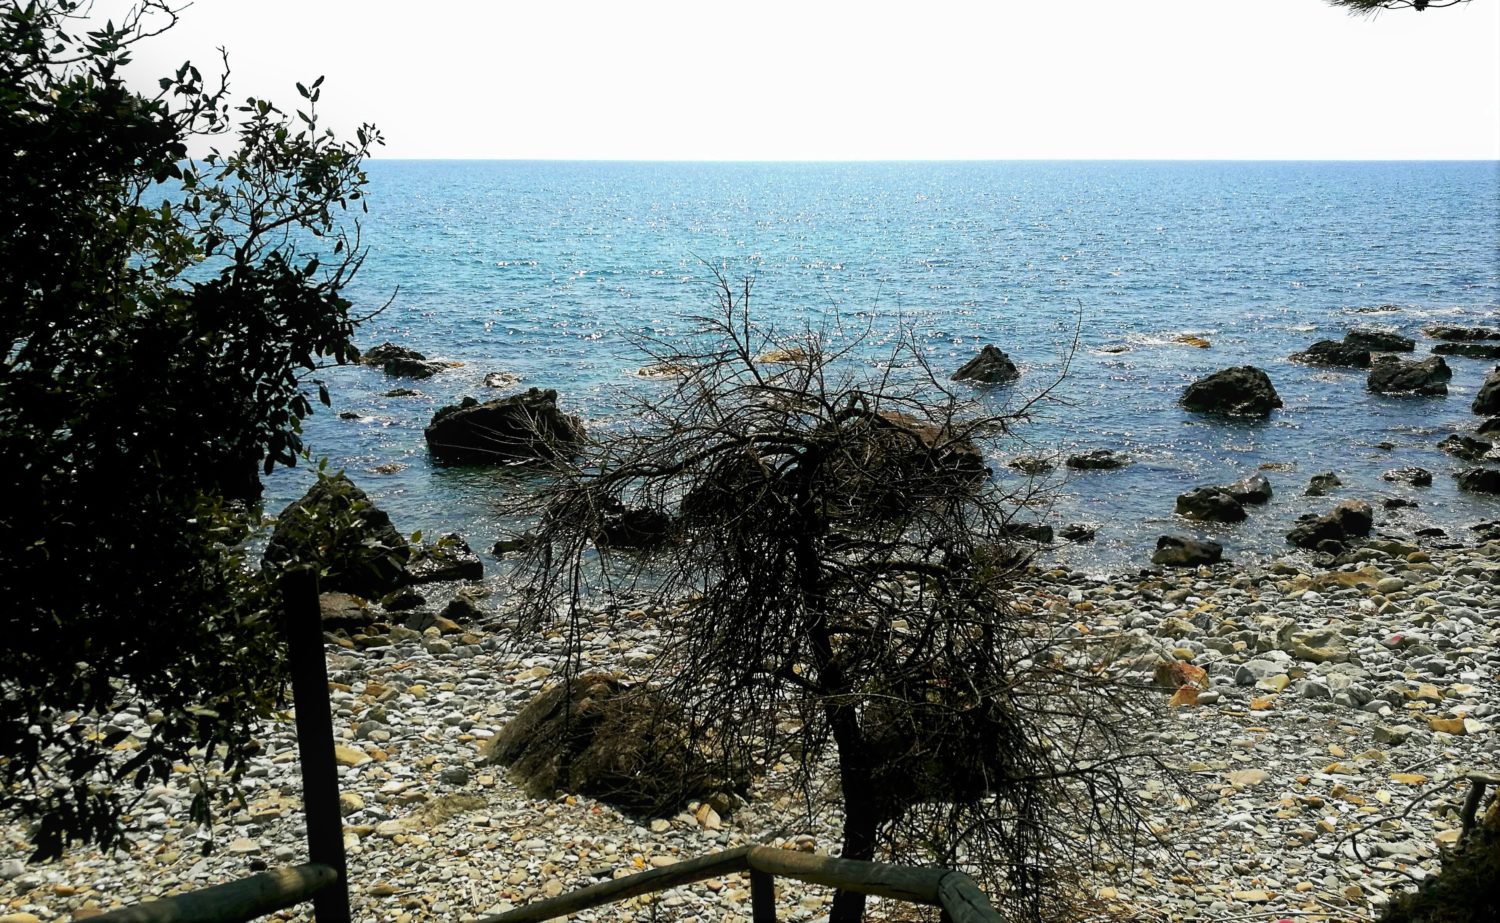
{"points": [[157, 319]]}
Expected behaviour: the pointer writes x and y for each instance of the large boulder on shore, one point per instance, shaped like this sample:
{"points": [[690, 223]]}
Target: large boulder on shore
{"points": [[1177, 551], [1210, 504], [1242, 391], [1389, 375], [1350, 519], [1379, 341], [336, 527], [1487, 401], [1334, 353], [520, 428], [600, 736], [989, 367]]}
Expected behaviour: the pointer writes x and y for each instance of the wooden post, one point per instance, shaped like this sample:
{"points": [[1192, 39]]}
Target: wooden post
{"points": [[762, 897], [320, 780]]}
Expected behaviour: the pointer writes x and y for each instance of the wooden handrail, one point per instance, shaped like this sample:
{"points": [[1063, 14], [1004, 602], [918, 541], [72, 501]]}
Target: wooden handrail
{"points": [[956, 893], [233, 902]]}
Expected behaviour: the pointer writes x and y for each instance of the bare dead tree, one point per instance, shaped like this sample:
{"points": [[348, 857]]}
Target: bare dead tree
{"points": [[825, 545], [1368, 7]]}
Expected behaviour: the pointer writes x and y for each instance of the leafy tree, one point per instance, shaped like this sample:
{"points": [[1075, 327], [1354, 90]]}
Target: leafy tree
{"points": [[158, 319], [831, 571]]}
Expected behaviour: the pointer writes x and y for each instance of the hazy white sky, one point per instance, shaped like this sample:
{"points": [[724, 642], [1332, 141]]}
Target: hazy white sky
{"points": [[768, 79]]}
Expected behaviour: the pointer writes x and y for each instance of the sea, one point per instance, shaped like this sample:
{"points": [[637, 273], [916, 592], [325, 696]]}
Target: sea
{"points": [[1086, 273]]}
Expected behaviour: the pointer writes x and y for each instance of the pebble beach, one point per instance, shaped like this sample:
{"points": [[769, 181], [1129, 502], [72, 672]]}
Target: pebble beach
{"points": [[1335, 692]]}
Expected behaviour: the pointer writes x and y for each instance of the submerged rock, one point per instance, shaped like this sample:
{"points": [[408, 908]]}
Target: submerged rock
{"points": [[519, 428], [1416, 477], [1078, 532], [1389, 375], [1465, 447], [1031, 464], [1241, 391], [989, 367], [1097, 460], [1320, 484]]}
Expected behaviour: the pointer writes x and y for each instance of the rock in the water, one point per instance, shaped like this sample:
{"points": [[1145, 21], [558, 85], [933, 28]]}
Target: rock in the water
{"points": [[1487, 401], [388, 351], [336, 526], [1320, 484], [522, 427], [1465, 447], [1460, 334], [501, 380], [1031, 464], [1416, 477], [1389, 375], [1097, 459], [1468, 350], [1177, 551], [513, 545], [1350, 519], [1379, 341], [1490, 427], [412, 368], [401, 392], [1078, 532], [989, 367], [1334, 353], [1028, 531], [449, 558], [1244, 390], [620, 526], [1210, 504], [1480, 480], [1253, 489]]}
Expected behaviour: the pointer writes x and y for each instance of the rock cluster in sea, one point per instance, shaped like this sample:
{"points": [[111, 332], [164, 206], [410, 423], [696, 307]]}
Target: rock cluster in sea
{"points": [[1335, 691]]}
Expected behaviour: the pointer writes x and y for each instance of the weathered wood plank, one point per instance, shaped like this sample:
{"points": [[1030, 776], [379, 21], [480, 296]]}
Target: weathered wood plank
{"points": [[608, 892], [963, 902], [899, 882], [234, 902]]}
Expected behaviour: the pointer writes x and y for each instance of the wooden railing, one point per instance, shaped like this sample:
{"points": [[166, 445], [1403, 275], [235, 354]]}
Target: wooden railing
{"points": [[324, 879], [954, 893]]}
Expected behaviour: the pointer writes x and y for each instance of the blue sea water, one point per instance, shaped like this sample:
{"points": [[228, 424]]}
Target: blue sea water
{"points": [[552, 270]]}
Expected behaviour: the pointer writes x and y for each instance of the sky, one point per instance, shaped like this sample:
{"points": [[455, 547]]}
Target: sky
{"points": [[822, 80]]}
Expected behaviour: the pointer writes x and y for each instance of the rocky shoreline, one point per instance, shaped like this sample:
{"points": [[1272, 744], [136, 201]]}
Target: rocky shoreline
{"points": [[1333, 693]]}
